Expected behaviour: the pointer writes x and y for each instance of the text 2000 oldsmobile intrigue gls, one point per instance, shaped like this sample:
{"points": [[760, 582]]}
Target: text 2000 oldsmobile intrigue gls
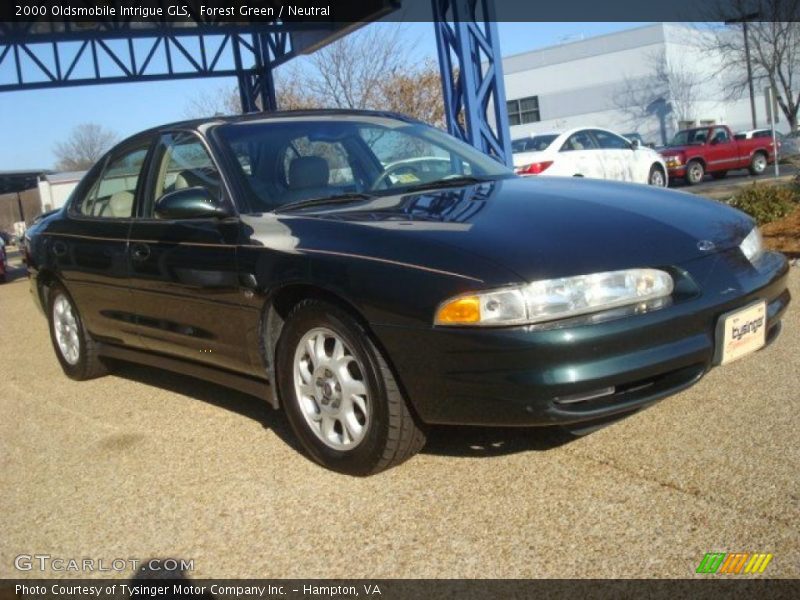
{"points": [[373, 275]]}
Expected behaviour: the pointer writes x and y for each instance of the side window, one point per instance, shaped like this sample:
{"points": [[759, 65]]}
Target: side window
{"points": [[184, 163], [112, 195], [580, 140], [720, 135], [608, 141]]}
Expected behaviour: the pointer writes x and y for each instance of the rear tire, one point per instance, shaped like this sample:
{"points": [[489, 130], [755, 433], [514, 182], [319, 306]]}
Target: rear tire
{"points": [[339, 394], [695, 171], [75, 349], [758, 164]]}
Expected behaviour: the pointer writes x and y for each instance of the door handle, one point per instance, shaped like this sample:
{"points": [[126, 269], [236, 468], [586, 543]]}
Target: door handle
{"points": [[59, 248], [140, 252]]}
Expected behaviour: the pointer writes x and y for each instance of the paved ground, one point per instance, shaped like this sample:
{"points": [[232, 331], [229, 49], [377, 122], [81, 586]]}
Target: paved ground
{"points": [[148, 464], [734, 180]]}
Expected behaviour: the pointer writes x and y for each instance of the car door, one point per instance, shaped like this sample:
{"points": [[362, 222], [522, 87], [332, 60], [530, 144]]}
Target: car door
{"points": [[579, 156], [90, 246], [183, 271], [721, 151], [618, 158]]}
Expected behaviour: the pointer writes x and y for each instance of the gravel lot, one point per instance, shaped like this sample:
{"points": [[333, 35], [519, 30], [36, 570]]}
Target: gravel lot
{"points": [[148, 464]]}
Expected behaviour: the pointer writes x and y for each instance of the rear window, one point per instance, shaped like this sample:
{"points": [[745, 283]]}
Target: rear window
{"points": [[537, 143]]}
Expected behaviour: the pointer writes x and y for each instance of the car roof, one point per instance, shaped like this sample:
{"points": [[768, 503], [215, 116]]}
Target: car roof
{"points": [[566, 132], [200, 124], [537, 134]]}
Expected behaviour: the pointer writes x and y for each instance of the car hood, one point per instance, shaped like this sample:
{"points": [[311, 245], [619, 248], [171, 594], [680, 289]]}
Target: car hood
{"points": [[672, 150], [535, 227]]}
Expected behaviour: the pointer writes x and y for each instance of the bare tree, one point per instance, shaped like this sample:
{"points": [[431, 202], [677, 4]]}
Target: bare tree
{"points": [[350, 72], [291, 95], [672, 87], [368, 69], [774, 40], [417, 94], [85, 145], [222, 101]]}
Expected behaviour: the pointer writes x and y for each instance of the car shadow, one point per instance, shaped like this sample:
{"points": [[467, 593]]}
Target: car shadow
{"points": [[463, 441], [15, 273], [228, 399], [456, 441], [155, 573], [16, 269]]}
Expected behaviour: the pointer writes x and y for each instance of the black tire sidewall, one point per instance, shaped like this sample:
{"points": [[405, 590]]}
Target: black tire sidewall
{"points": [[78, 370], [362, 459]]}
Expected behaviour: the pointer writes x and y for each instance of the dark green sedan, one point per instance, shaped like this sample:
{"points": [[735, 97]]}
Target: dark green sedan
{"points": [[372, 275]]}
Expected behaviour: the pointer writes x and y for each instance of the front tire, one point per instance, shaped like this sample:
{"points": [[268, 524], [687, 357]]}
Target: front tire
{"points": [[657, 176], [75, 349], [758, 164], [695, 172], [339, 394]]}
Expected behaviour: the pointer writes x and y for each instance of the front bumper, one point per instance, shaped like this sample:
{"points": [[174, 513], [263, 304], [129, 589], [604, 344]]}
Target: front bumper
{"points": [[677, 171], [531, 376]]}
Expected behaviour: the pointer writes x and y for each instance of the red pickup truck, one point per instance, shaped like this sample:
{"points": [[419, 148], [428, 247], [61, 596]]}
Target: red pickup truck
{"points": [[694, 152]]}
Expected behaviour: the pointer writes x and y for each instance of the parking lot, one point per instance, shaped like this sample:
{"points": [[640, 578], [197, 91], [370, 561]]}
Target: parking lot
{"points": [[148, 464], [733, 180]]}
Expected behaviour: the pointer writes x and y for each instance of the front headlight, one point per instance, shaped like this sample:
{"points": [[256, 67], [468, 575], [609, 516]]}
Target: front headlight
{"points": [[753, 245], [555, 298]]}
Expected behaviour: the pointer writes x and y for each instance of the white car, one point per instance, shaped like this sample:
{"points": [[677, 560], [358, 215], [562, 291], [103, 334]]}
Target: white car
{"points": [[588, 152]]}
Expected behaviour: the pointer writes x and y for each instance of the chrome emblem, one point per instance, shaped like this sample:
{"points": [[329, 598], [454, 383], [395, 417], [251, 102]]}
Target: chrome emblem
{"points": [[705, 245]]}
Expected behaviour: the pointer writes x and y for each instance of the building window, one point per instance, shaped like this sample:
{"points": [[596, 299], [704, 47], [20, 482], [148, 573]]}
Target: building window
{"points": [[524, 110]]}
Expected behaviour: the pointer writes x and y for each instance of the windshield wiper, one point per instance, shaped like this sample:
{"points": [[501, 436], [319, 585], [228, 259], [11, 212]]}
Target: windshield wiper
{"points": [[445, 183], [338, 199]]}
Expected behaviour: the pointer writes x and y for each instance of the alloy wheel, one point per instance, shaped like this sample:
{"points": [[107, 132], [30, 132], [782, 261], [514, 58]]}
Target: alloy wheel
{"points": [[696, 173], [657, 178], [331, 389], [65, 327]]}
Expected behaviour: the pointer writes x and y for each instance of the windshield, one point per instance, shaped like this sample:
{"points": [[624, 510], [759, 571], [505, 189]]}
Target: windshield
{"points": [[536, 143], [689, 136], [295, 160]]}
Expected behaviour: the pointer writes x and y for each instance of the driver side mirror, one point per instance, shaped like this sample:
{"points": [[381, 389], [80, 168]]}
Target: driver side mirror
{"points": [[634, 144], [189, 203]]}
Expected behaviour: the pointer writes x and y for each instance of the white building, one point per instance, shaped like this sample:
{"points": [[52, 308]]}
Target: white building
{"points": [[606, 81], [55, 188]]}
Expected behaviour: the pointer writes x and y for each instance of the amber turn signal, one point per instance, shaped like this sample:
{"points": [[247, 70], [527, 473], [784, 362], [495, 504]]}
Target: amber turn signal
{"points": [[466, 309]]}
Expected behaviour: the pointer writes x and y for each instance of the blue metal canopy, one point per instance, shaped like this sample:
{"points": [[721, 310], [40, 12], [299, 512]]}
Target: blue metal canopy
{"points": [[60, 53]]}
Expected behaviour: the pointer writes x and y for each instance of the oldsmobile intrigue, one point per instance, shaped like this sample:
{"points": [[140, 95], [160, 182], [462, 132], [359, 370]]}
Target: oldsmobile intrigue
{"points": [[372, 275]]}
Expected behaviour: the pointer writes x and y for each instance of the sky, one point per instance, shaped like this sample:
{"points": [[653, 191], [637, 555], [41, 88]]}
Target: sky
{"points": [[33, 121]]}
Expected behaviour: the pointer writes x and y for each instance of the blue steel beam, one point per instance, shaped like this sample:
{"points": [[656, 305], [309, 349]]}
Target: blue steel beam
{"points": [[257, 85], [472, 75], [166, 55]]}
